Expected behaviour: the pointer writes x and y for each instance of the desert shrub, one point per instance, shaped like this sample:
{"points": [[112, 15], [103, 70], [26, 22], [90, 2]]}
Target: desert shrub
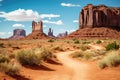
{"points": [[112, 59], [4, 58], [112, 46], [28, 57], [99, 41], [57, 48], [1, 45], [84, 47], [8, 68], [51, 40], [76, 41], [77, 54], [87, 55], [46, 54]]}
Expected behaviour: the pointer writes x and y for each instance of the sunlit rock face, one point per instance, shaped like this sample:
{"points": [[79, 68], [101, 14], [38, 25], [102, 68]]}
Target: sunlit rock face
{"points": [[98, 22], [100, 16]]}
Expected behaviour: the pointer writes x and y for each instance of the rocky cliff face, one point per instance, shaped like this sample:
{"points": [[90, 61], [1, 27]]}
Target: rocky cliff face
{"points": [[37, 27], [37, 31], [18, 34], [98, 22], [100, 16]]}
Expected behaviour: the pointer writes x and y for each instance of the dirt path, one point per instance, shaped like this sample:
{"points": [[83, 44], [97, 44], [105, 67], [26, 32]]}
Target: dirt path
{"points": [[79, 69]]}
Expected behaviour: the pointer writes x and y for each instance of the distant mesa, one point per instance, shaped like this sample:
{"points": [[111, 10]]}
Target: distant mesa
{"points": [[37, 31], [50, 33], [98, 22], [62, 35], [18, 34]]}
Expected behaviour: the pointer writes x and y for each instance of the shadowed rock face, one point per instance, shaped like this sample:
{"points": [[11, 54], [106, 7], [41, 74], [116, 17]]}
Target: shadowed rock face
{"points": [[98, 22], [61, 35], [50, 33], [18, 34], [100, 16]]}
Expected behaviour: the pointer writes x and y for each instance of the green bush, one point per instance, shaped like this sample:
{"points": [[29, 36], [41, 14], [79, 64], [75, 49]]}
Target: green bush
{"points": [[51, 40], [10, 69], [76, 41], [28, 57], [99, 41], [4, 58], [112, 46], [57, 48], [112, 59], [46, 54], [77, 54], [1, 45]]}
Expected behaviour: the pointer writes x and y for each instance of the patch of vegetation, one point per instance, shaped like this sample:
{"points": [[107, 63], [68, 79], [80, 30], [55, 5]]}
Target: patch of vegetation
{"points": [[112, 59], [112, 46], [76, 41], [99, 42], [77, 54], [2, 45], [4, 58], [57, 48], [84, 47], [10, 69], [28, 57], [46, 54], [34, 56], [51, 40]]}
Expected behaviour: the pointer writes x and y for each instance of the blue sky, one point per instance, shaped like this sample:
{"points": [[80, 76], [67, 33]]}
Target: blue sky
{"points": [[60, 15]]}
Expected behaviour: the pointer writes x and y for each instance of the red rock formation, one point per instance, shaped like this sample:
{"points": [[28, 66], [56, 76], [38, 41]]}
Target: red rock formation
{"points": [[50, 33], [18, 34], [98, 22], [37, 31], [100, 16], [37, 27]]}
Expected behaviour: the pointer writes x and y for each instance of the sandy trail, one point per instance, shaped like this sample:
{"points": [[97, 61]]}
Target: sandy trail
{"points": [[79, 69]]}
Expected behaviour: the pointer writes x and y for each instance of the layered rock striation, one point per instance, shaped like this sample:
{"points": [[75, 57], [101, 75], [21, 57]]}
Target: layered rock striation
{"points": [[100, 16], [98, 22]]}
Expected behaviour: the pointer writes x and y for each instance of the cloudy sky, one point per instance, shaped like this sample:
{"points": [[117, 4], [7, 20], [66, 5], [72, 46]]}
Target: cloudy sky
{"points": [[60, 15]]}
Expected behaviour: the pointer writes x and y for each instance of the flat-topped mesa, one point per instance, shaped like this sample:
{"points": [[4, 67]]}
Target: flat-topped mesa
{"points": [[18, 34], [99, 16], [37, 27]]}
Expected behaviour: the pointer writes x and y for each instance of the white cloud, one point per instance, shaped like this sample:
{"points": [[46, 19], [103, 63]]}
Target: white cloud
{"points": [[20, 15], [0, 2], [25, 15], [75, 21], [2, 33], [18, 25], [69, 5], [49, 16], [59, 22], [44, 26]]}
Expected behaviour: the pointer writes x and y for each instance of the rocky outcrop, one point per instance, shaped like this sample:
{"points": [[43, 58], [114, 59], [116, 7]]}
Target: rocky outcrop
{"points": [[18, 34], [61, 35], [37, 27], [50, 33], [100, 16], [98, 22], [37, 31]]}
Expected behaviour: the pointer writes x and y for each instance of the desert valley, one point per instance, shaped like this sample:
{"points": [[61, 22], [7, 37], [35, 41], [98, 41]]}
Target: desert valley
{"points": [[92, 52]]}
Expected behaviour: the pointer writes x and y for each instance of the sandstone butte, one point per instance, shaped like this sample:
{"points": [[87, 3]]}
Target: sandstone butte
{"points": [[37, 31], [98, 22], [18, 34]]}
